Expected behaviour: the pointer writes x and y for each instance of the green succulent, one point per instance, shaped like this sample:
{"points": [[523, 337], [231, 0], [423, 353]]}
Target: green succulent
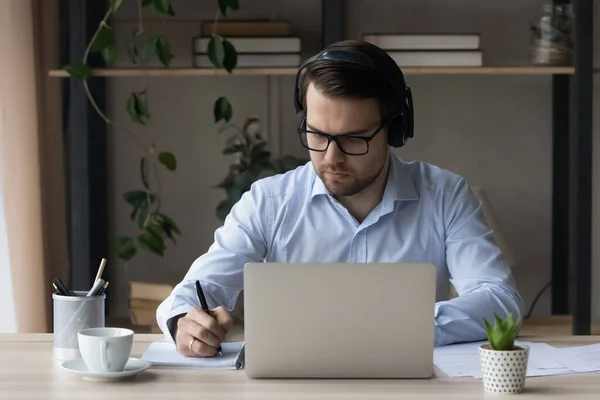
{"points": [[502, 335]]}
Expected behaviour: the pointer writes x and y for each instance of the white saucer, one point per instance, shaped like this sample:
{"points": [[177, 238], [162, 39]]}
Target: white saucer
{"points": [[133, 367]]}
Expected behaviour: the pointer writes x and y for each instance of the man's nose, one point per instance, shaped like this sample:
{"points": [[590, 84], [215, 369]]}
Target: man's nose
{"points": [[333, 154]]}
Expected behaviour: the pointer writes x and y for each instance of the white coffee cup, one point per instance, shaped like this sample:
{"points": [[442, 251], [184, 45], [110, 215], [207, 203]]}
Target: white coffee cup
{"points": [[105, 349]]}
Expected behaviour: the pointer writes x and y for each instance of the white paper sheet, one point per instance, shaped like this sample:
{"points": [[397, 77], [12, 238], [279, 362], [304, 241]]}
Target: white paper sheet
{"points": [[165, 354], [589, 353], [463, 360], [567, 360], [458, 359]]}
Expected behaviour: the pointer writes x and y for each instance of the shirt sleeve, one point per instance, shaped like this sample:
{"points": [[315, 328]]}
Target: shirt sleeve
{"points": [[478, 270], [241, 239]]}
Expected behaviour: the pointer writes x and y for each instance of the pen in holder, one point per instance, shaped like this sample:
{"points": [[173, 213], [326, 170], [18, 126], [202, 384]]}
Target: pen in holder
{"points": [[72, 314]]}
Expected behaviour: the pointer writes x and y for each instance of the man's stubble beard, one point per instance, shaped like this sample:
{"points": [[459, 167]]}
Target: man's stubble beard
{"points": [[351, 188]]}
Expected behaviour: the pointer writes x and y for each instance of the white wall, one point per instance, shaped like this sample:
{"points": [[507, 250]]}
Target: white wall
{"points": [[494, 130]]}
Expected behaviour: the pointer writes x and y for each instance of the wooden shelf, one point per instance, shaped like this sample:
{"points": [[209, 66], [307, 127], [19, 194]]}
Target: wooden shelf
{"points": [[182, 72]]}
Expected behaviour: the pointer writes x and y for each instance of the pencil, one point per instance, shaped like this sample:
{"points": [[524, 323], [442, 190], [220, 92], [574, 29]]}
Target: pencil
{"points": [[100, 269]]}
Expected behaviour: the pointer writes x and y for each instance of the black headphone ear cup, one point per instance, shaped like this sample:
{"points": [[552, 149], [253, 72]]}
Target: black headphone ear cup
{"points": [[397, 132], [410, 114], [300, 116]]}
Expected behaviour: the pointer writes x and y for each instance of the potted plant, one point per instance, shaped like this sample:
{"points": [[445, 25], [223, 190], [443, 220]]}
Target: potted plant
{"points": [[251, 161], [503, 364]]}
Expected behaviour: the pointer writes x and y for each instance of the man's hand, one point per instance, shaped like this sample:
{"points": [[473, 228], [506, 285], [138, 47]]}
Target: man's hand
{"points": [[199, 334]]}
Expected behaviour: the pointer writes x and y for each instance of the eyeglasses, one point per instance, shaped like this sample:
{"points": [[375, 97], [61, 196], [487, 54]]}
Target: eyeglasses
{"points": [[353, 145]]}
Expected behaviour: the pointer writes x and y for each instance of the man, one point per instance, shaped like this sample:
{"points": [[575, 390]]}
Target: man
{"points": [[354, 202]]}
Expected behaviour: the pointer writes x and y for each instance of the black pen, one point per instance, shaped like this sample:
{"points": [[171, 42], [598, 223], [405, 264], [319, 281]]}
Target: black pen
{"points": [[103, 289], [60, 287], [204, 305]]}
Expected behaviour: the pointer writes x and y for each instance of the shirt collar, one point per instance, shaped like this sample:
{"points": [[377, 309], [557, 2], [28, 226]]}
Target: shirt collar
{"points": [[400, 185]]}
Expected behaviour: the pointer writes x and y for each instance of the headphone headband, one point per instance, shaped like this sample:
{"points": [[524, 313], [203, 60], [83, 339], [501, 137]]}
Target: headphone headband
{"points": [[400, 130]]}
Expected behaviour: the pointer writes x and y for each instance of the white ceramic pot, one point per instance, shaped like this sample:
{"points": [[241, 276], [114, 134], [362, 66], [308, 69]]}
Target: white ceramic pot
{"points": [[503, 371]]}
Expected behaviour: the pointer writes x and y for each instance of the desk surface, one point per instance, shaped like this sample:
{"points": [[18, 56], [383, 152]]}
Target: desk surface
{"points": [[28, 371]]}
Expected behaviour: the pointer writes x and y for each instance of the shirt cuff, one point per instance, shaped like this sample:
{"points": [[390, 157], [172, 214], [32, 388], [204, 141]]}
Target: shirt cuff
{"points": [[172, 325]]}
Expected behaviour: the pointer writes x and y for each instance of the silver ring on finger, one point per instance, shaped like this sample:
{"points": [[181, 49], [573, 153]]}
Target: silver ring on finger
{"points": [[192, 343]]}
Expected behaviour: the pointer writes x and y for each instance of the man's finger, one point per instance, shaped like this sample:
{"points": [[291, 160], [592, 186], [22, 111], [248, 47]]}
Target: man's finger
{"points": [[223, 318], [201, 333], [206, 320], [203, 350], [189, 346], [183, 341]]}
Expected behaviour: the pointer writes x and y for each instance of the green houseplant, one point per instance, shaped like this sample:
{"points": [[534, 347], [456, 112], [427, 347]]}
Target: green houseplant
{"points": [[251, 161], [503, 364], [154, 228]]}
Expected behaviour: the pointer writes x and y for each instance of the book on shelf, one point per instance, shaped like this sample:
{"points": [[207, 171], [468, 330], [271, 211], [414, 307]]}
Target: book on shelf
{"points": [[434, 58], [144, 299], [424, 41], [149, 291], [254, 44], [430, 49], [255, 27], [255, 60]]}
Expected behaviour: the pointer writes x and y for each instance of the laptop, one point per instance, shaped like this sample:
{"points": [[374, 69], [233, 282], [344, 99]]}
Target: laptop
{"points": [[339, 320]]}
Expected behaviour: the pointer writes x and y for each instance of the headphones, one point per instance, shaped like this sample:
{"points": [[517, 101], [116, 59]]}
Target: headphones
{"points": [[401, 126]]}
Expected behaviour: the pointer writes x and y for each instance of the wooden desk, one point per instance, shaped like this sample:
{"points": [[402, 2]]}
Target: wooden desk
{"points": [[28, 371]]}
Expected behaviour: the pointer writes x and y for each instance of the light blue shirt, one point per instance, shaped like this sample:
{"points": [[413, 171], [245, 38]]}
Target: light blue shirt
{"points": [[427, 214]]}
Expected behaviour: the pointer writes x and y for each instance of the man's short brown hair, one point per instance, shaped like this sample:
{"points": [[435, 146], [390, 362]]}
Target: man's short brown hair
{"points": [[348, 80]]}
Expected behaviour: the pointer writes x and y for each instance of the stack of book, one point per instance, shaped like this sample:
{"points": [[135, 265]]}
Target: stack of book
{"points": [[144, 299], [430, 49], [258, 43]]}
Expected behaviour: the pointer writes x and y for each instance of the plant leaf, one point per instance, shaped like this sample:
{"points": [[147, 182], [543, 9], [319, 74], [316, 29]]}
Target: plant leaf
{"points": [[156, 231], [166, 221], [168, 160], [138, 198], [222, 109], [142, 217], [163, 50], [163, 7], [115, 4], [223, 5], [125, 248], [258, 155], [502, 335], [489, 331], [234, 149], [132, 48], [168, 226], [150, 242], [106, 45], [171, 11], [78, 70], [138, 108], [244, 180], [216, 51], [230, 58], [146, 3], [149, 51]]}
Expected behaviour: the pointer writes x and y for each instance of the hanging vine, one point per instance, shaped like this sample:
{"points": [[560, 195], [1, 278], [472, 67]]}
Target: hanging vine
{"points": [[154, 228]]}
